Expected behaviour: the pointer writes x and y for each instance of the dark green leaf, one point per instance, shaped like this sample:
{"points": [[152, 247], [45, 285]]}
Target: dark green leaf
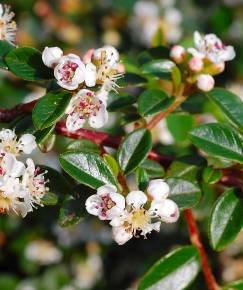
{"points": [[226, 220], [87, 168], [230, 104], [120, 102], [153, 101], [49, 198], [153, 168], [162, 68], [26, 63], [49, 109], [211, 175], [185, 193], [183, 170], [157, 52], [236, 285], [134, 149], [218, 140], [142, 178], [42, 135], [5, 48], [132, 79], [83, 145], [175, 271]]}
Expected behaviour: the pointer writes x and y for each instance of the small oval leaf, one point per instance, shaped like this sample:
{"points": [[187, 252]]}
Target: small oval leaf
{"points": [[134, 149], [87, 168], [175, 271], [226, 219]]}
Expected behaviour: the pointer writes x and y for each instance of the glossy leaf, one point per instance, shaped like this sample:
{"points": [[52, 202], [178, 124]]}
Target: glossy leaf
{"points": [[49, 109], [230, 104], [132, 79], [83, 145], [226, 219], [119, 102], [134, 149], [218, 140], [185, 193], [26, 63], [182, 170], [175, 271], [153, 101], [153, 168], [161, 69], [5, 48], [211, 175], [142, 178], [87, 168]]}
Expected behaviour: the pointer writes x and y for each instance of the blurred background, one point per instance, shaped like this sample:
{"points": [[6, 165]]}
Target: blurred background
{"points": [[36, 253]]}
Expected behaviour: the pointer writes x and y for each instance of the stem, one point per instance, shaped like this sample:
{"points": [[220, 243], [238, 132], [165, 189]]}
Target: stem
{"points": [[156, 119], [196, 241]]}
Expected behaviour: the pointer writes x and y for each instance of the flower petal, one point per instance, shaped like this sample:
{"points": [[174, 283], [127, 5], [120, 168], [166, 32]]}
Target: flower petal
{"points": [[136, 199], [158, 189], [120, 235]]}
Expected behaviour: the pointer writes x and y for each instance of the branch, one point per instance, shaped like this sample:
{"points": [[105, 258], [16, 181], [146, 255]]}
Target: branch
{"points": [[196, 241]]}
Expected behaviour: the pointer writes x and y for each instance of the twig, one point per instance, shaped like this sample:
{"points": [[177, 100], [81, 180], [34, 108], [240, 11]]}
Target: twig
{"points": [[196, 241]]}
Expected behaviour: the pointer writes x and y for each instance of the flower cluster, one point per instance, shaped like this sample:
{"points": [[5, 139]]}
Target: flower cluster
{"points": [[8, 27], [99, 67], [136, 214], [21, 186], [206, 59]]}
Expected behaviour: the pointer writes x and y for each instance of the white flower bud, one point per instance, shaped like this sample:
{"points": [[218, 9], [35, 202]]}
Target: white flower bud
{"points": [[196, 64], [169, 211], [51, 56], [205, 82], [178, 53], [158, 189]]}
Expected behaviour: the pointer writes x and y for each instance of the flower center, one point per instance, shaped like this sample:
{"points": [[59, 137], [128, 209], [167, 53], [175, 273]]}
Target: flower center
{"points": [[140, 218], [10, 146], [5, 203], [106, 204], [68, 71]]}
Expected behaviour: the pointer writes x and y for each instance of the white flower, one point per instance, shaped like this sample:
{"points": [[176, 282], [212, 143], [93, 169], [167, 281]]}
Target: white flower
{"points": [[178, 53], [10, 144], [167, 210], [8, 27], [51, 56], [70, 72], [106, 204], [34, 182], [211, 47], [85, 106], [107, 55], [43, 252], [10, 166], [158, 189], [205, 82]]}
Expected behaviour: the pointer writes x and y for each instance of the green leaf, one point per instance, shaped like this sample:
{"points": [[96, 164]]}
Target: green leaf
{"points": [[161, 68], [150, 54], [49, 109], [183, 170], [153, 101], [218, 140], [179, 125], [230, 104], [5, 48], [153, 168], [87, 168], [134, 149], [142, 178], [236, 285], [83, 145], [226, 219], [111, 161], [175, 271], [26, 63], [185, 193], [42, 135], [49, 198], [120, 102], [211, 175], [132, 79]]}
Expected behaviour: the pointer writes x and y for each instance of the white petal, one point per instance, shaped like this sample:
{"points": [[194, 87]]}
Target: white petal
{"points": [[105, 189], [7, 135], [90, 75], [136, 199], [158, 189], [102, 95], [92, 204], [27, 143], [51, 55], [195, 52], [118, 199], [100, 119], [13, 167], [74, 122], [197, 39], [120, 235], [169, 211]]}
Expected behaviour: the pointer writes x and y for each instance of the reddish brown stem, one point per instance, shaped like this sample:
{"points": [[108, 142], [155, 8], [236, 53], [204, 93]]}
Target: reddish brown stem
{"points": [[196, 241]]}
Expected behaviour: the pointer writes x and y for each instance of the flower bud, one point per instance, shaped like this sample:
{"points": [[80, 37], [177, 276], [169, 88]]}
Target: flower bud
{"points": [[51, 56], [178, 53], [205, 82], [158, 189], [196, 64], [169, 211], [216, 68]]}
